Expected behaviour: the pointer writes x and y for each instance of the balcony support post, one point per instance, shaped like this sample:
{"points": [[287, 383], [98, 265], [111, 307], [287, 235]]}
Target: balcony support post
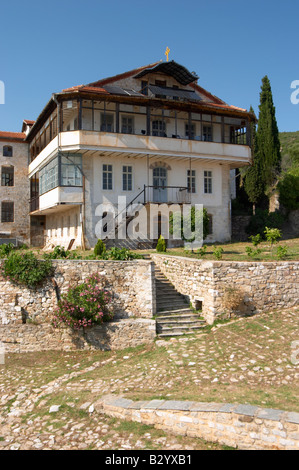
{"points": [[148, 120]]}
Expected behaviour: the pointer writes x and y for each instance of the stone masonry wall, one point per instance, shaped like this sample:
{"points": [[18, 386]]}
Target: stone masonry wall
{"points": [[131, 283], [26, 314], [246, 287], [244, 427], [113, 336], [19, 193]]}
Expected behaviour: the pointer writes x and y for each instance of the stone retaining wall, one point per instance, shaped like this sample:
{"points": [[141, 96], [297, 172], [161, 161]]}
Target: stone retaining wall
{"points": [[131, 283], [109, 336], [239, 426], [26, 314], [232, 287]]}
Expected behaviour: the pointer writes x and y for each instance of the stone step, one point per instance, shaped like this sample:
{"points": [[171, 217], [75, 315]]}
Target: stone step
{"points": [[187, 320], [173, 312], [169, 294], [175, 305], [175, 331]]}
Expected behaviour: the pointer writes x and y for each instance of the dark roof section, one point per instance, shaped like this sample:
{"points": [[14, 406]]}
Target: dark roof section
{"points": [[121, 76], [172, 68], [174, 93], [117, 90]]}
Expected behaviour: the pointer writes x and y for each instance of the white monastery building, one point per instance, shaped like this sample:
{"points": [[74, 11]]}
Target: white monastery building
{"points": [[149, 136]]}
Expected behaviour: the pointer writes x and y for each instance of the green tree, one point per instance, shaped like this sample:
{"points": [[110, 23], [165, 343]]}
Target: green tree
{"points": [[254, 184], [267, 137]]}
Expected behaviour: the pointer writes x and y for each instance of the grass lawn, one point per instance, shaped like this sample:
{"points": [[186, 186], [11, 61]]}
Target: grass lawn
{"points": [[236, 251]]}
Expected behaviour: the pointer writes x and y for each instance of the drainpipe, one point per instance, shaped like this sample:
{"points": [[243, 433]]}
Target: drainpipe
{"points": [[82, 211]]}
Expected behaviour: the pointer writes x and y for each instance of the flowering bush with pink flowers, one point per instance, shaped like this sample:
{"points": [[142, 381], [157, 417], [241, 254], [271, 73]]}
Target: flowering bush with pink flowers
{"points": [[84, 305]]}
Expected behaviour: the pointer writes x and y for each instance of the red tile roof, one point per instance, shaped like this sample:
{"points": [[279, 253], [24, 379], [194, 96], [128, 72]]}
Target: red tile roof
{"points": [[12, 136]]}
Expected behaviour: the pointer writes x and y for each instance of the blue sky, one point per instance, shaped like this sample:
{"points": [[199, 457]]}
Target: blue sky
{"points": [[230, 44]]}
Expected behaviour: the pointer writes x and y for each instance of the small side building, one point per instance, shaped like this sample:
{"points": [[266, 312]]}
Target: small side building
{"points": [[15, 187]]}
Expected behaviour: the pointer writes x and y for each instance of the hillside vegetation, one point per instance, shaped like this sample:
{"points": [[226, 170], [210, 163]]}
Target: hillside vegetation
{"points": [[289, 149]]}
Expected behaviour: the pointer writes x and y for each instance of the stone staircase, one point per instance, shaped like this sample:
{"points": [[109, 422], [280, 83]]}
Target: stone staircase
{"points": [[174, 316]]}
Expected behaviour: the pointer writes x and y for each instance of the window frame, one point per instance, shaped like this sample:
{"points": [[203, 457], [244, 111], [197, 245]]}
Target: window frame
{"points": [[207, 131], [11, 212], [127, 126], [191, 181], [7, 151], [107, 172], [10, 175], [159, 128], [125, 178], [208, 181]]}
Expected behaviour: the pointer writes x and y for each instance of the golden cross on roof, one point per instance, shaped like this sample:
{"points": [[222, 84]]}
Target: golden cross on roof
{"points": [[167, 52]]}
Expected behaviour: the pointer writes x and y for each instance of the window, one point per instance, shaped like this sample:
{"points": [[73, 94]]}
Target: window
{"points": [[7, 212], [207, 133], [49, 176], [159, 129], [107, 176], [160, 83], [144, 87], [7, 151], [191, 181], [192, 131], [127, 178], [7, 176], [71, 170], [106, 122], [127, 125], [208, 182]]}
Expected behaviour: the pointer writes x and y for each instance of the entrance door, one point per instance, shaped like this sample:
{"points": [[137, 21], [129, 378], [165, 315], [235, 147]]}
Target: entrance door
{"points": [[160, 183]]}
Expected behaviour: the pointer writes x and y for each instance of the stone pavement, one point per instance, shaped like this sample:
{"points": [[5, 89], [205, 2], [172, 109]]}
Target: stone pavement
{"points": [[238, 364]]}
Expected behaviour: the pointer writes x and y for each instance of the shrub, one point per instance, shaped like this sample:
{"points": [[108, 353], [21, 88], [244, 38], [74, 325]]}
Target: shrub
{"points": [[122, 254], [217, 252], [256, 239], [281, 251], [161, 245], [26, 269], [202, 251], [272, 235], [198, 221], [263, 219], [61, 253], [84, 305], [99, 248], [6, 249], [58, 253], [232, 299], [250, 252], [289, 189]]}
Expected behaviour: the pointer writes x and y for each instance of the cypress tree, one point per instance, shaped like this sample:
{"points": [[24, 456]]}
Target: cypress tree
{"points": [[267, 137], [253, 181]]}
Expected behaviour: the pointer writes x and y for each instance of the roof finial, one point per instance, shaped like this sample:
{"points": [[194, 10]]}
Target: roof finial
{"points": [[167, 52]]}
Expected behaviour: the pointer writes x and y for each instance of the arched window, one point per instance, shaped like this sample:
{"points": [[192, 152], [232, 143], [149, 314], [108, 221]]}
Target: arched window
{"points": [[7, 151]]}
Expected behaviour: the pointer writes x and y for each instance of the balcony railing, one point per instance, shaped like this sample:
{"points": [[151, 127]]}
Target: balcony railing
{"points": [[167, 194], [34, 204], [95, 117]]}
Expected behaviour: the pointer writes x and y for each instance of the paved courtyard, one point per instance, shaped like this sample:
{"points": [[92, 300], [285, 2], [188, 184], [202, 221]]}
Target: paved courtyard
{"points": [[46, 399]]}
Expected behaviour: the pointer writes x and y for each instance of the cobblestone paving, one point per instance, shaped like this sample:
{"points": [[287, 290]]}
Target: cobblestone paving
{"points": [[46, 399]]}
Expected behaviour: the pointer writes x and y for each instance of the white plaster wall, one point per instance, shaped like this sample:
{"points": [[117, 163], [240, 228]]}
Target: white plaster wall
{"points": [[62, 227], [217, 203]]}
